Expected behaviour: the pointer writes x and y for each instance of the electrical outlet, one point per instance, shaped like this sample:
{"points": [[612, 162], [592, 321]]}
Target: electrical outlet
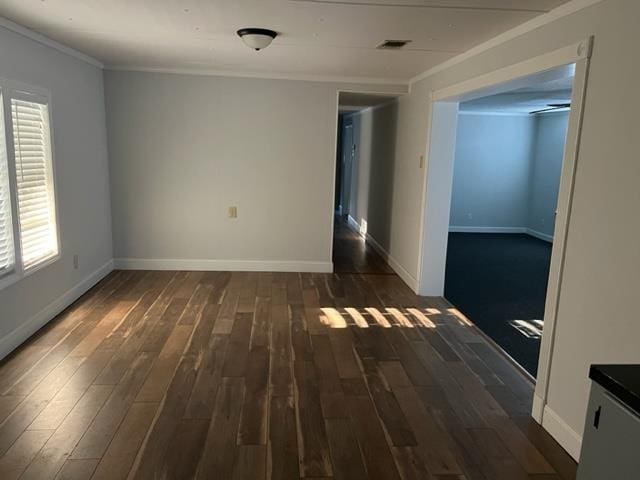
{"points": [[76, 262], [469, 216], [233, 212]]}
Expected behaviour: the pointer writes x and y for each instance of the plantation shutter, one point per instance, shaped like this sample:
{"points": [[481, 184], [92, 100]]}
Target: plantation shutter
{"points": [[34, 182], [6, 225]]}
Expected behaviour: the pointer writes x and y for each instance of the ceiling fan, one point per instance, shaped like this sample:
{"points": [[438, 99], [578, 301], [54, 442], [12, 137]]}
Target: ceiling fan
{"points": [[551, 107]]}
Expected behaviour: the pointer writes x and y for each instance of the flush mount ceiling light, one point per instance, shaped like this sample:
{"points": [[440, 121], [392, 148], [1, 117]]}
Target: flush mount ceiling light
{"points": [[257, 38]]}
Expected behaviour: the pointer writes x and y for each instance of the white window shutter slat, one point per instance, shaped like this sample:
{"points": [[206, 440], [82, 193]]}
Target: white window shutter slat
{"points": [[6, 225], [34, 182]]}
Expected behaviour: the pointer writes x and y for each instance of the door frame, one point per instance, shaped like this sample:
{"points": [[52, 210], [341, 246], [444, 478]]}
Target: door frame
{"points": [[438, 180], [392, 90], [347, 159]]}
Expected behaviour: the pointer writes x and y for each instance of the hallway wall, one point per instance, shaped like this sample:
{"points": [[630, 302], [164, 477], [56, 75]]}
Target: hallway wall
{"points": [[374, 132]]}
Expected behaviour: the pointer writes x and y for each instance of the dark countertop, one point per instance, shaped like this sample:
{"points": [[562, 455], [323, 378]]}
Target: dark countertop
{"points": [[623, 381]]}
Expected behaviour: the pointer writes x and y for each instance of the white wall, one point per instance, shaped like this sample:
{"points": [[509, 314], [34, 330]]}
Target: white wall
{"points": [[491, 171], [183, 148], [546, 166], [374, 136], [598, 310], [507, 172], [80, 151]]}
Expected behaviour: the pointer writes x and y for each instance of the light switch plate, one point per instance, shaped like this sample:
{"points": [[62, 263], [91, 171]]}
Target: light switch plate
{"points": [[233, 212]]}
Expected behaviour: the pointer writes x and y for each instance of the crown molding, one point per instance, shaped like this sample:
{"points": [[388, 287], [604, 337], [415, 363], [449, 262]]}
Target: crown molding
{"points": [[262, 75], [415, 4], [44, 40], [557, 13]]}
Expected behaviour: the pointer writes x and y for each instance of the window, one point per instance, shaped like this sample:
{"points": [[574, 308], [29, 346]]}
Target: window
{"points": [[6, 224], [28, 226], [34, 182]]}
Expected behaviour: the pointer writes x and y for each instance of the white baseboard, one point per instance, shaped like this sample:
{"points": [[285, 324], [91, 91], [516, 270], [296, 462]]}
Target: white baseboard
{"points": [[14, 339], [540, 235], [464, 229], [563, 433], [537, 409], [393, 263], [223, 265], [352, 223], [528, 231]]}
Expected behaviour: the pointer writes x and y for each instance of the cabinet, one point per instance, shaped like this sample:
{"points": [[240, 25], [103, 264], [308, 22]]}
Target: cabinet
{"points": [[611, 440]]}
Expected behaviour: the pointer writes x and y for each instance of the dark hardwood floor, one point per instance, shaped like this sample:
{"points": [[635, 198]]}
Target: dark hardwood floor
{"points": [[351, 254], [266, 375]]}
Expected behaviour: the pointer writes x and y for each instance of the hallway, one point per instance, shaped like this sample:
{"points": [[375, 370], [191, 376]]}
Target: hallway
{"points": [[351, 254]]}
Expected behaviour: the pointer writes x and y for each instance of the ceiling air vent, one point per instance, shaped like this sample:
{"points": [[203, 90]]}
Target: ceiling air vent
{"points": [[393, 44]]}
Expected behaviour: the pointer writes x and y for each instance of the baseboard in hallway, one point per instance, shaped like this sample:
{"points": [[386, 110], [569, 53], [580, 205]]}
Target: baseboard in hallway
{"points": [[397, 268]]}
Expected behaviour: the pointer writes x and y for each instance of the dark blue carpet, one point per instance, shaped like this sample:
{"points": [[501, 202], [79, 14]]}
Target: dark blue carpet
{"points": [[495, 279]]}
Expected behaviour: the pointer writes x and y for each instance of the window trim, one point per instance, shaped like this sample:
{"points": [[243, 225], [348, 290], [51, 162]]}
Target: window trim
{"points": [[12, 89]]}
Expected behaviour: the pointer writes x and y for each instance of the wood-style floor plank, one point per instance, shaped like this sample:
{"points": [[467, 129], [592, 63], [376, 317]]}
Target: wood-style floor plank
{"points": [[268, 375], [121, 453]]}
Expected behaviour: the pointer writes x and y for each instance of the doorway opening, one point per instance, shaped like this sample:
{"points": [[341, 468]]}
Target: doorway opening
{"points": [[506, 178], [362, 164], [570, 61]]}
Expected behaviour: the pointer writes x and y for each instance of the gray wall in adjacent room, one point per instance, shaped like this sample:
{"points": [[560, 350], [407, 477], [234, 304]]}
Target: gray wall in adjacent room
{"points": [[507, 172], [546, 166], [491, 171]]}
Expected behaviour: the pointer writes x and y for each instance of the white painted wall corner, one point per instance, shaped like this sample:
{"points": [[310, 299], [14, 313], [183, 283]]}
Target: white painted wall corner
{"points": [[540, 235]]}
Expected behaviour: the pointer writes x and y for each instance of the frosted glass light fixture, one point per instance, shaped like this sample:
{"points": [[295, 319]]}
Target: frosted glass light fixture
{"points": [[257, 38]]}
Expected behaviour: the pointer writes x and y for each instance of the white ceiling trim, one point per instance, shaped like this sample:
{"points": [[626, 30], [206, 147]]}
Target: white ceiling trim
{"points": [[555, 14], [44, 40], [409, 4], [268, 76]]}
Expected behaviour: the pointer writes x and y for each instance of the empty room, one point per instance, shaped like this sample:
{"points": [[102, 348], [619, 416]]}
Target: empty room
{"points": [[506, 176], [318, 239]]}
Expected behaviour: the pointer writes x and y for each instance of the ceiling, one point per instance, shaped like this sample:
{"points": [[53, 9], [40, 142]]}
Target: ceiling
{"points": [[353, 102], [318, 38], [526, 99]]}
